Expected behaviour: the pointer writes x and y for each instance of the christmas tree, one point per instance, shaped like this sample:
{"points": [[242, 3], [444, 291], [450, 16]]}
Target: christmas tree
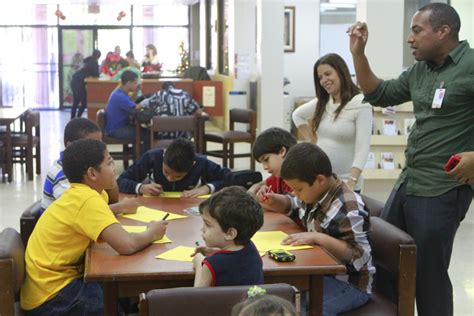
{"points": [[184, 59]]}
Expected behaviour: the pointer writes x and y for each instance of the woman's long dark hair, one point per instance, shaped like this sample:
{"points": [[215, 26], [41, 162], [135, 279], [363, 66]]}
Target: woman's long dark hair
{"points": [[348, 88]]}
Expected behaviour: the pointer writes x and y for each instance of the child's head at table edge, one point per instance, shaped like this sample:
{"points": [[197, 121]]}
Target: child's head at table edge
{"points": [[308, 171], [178, 159], [270, 148], [238, 214], [87, 161]]}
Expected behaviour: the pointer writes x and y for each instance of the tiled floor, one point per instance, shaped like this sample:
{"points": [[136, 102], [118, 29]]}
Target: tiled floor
{"points": [[16, 196]]}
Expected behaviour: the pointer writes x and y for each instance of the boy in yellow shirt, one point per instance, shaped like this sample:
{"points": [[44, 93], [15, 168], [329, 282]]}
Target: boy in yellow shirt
{"points": [[54, 256]]}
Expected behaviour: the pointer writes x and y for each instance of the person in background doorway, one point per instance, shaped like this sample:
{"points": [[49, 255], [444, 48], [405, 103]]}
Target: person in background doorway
{"points": [[78, 86]]}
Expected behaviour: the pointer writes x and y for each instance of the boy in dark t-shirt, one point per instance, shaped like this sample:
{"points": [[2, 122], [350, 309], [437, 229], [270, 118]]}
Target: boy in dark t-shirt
{"points": [[230, 218]]}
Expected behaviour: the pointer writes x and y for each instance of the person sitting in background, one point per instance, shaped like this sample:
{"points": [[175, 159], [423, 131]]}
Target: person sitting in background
{"points": [[270, 148], [131, 60], [178, 168], [151, 62], [337, 120], [54, 257], [230, 219], [56, 182], [170, 101], [118, 52], [260, 303], [123, 65], [118, 110], [78, 86]]}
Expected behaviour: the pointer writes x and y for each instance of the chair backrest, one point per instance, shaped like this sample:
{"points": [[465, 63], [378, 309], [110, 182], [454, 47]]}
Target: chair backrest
{"points": [[395, 252], [196, 73], [219, 300], [187, 123], [373, 206], [12, 269], [244, 116], [28, 220], [100, 118]]}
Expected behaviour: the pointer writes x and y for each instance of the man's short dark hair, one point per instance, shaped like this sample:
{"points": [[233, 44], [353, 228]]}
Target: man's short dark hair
{"points": [[167, 84], [304, 162], [128, 76], [80, 156], [79, 128], [443, 14], [96, 53], [233, 207], [271, 140], [179, 155]]}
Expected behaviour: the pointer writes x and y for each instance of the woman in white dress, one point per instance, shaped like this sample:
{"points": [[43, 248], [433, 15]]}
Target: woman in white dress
{"points": [[337, 120]]}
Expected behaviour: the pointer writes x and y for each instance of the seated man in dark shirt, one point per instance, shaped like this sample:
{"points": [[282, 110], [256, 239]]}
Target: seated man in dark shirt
{"points": [[178, 168], [170, 101]]}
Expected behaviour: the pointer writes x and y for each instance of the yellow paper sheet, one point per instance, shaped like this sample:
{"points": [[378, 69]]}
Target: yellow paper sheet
{"points": [[139, 229], [180, 253], [146, 214], [175, 195], [265, 241]]}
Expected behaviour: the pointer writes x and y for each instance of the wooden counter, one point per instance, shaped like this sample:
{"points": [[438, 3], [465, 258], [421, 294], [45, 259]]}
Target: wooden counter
{"points": [[98, 92]]}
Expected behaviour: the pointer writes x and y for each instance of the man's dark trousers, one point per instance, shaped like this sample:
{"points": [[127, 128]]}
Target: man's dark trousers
{"points": [[432, 222]]}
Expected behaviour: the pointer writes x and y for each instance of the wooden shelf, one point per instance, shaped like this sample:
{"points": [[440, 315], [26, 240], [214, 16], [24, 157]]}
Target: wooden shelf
{"points": [[381, 174], [404, 107], [386, 140]]}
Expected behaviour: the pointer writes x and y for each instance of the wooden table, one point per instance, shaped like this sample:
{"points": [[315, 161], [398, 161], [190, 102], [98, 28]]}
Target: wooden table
{"points": [[8, 115], [127, 276]]}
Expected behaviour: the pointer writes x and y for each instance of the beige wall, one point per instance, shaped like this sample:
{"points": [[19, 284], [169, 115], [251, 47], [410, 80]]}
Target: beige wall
{"points": [[465, 9]]}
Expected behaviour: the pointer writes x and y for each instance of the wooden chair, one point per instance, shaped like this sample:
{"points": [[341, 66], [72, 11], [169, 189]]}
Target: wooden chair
{"points": [[188, 123], [27, 139], [12, 271], [394, 254], [206, 301], [229, 138], [28, 220], [128, 146], [375, 207]]}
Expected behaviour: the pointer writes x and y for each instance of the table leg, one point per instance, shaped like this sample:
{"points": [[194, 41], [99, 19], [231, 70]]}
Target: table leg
{"points": [[138, 140], [316, 295], [110, 298], [8, 153]]}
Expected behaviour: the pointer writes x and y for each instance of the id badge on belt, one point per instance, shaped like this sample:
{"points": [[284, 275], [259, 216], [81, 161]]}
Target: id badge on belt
{"points": [[438, 97]]}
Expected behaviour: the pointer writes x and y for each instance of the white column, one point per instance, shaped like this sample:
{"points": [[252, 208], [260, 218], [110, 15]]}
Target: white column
{"points": [[270, 63], [385, 20], [465, 9]]}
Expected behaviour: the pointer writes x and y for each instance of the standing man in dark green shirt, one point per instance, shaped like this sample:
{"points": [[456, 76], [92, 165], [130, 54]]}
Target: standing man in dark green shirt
{"points": [[426, 202]]}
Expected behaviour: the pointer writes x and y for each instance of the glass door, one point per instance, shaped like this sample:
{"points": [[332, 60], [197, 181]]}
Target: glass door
{"points": [[75, 45], [108, 39], [78, 43]]}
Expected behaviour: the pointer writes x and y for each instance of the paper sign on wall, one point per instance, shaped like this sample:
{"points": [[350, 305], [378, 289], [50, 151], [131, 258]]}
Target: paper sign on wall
{"points": [[209, 96]]}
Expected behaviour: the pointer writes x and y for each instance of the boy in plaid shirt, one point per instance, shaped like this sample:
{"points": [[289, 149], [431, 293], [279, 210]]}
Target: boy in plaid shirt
{"points": [[335, 218]]}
